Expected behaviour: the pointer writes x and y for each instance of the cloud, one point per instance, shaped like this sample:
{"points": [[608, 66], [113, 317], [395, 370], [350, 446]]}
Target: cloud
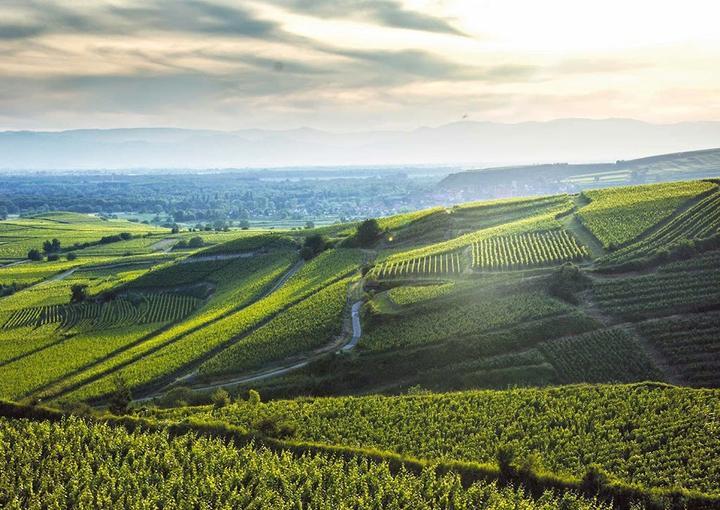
{"points": [[191, 16], [389, 13], [10, 31]]}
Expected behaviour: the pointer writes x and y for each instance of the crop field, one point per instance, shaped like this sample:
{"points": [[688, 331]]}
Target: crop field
{"points": [[700, 220], [307, 325], [647, 434], [238, 286], [404, 296], [527, 250], [462, 317], [600, 356], [442, 264], [691, 345], [618, 215], [198, 336], [141, 309], [134, 467], [558, 359], [18, 236], [544, 221], [660, 294], [32, 372]]}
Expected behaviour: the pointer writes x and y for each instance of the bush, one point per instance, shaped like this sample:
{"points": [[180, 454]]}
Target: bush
{"points": [[178, 397], [196, 242], [306, 253], [53, 257], [254, 397], [71, 256], [121, 397], [34, 254], [368, 232], [220, 398], [125, 236], [78, 293]]}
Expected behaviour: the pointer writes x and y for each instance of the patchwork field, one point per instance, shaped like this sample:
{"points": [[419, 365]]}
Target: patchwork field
{"points": [[615, 290]]}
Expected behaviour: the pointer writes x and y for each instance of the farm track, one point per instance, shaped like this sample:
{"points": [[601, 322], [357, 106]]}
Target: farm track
{"points": [[340, 344], [190, 371]]}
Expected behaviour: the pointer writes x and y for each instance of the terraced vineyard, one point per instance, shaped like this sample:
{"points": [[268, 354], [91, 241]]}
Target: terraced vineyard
{"points": [[121, 312], [691, 345], [212, 473], [646, 434], [464, 316], [600, 356], [699, 221], [659, 294], [527, 250], [619, 215], [430, 265]]}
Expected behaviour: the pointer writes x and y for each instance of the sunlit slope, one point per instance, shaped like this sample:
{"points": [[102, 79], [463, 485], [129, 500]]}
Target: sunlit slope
{"points": [[645, 434]]}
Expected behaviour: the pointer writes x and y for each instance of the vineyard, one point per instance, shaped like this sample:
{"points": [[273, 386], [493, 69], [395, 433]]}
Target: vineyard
{"points": [[527, 250], [200, 335], [101, 466], [647, 434], [121, 312], [404, 296], [618, 215], [461, 317], [600, 356], [649, 295], [307, 325], [690, 344], [699, 221], [430, 265]]}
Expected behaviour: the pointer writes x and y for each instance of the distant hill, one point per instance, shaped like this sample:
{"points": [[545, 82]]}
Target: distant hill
{"points": [[460, 143], [569, 177]]}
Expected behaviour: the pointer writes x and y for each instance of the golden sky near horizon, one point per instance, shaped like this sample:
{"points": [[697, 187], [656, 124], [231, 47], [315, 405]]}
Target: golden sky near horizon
{"points": [[354, 65]]}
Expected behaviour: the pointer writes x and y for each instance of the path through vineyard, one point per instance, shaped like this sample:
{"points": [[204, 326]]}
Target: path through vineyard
{"points": [[340, 344]]}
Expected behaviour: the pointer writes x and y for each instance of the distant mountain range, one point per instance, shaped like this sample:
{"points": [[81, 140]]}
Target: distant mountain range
{"points": [[461, 143]]}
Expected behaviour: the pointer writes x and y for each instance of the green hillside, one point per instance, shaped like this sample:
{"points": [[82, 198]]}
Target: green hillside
{"points": [[574, 300]]}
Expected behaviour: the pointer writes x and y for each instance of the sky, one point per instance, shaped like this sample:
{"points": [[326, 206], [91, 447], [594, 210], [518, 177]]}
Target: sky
{"points": [[354, 65]]}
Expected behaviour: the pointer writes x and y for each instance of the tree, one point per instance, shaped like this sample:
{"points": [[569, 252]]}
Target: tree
{"points": [[79, 293], [71, 256], [220, 398], [34, 254], [51, 246], [125, 236], [368, 232], [121, 397], [309, 224], [312, 246], [195, 242]]}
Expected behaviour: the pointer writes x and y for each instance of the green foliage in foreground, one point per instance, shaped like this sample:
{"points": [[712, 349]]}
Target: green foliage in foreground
{"points": [[650, 435], [72, 464]]}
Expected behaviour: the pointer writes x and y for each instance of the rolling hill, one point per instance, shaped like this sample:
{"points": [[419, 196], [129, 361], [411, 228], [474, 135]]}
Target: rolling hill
{"points": [[567, 344]]}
